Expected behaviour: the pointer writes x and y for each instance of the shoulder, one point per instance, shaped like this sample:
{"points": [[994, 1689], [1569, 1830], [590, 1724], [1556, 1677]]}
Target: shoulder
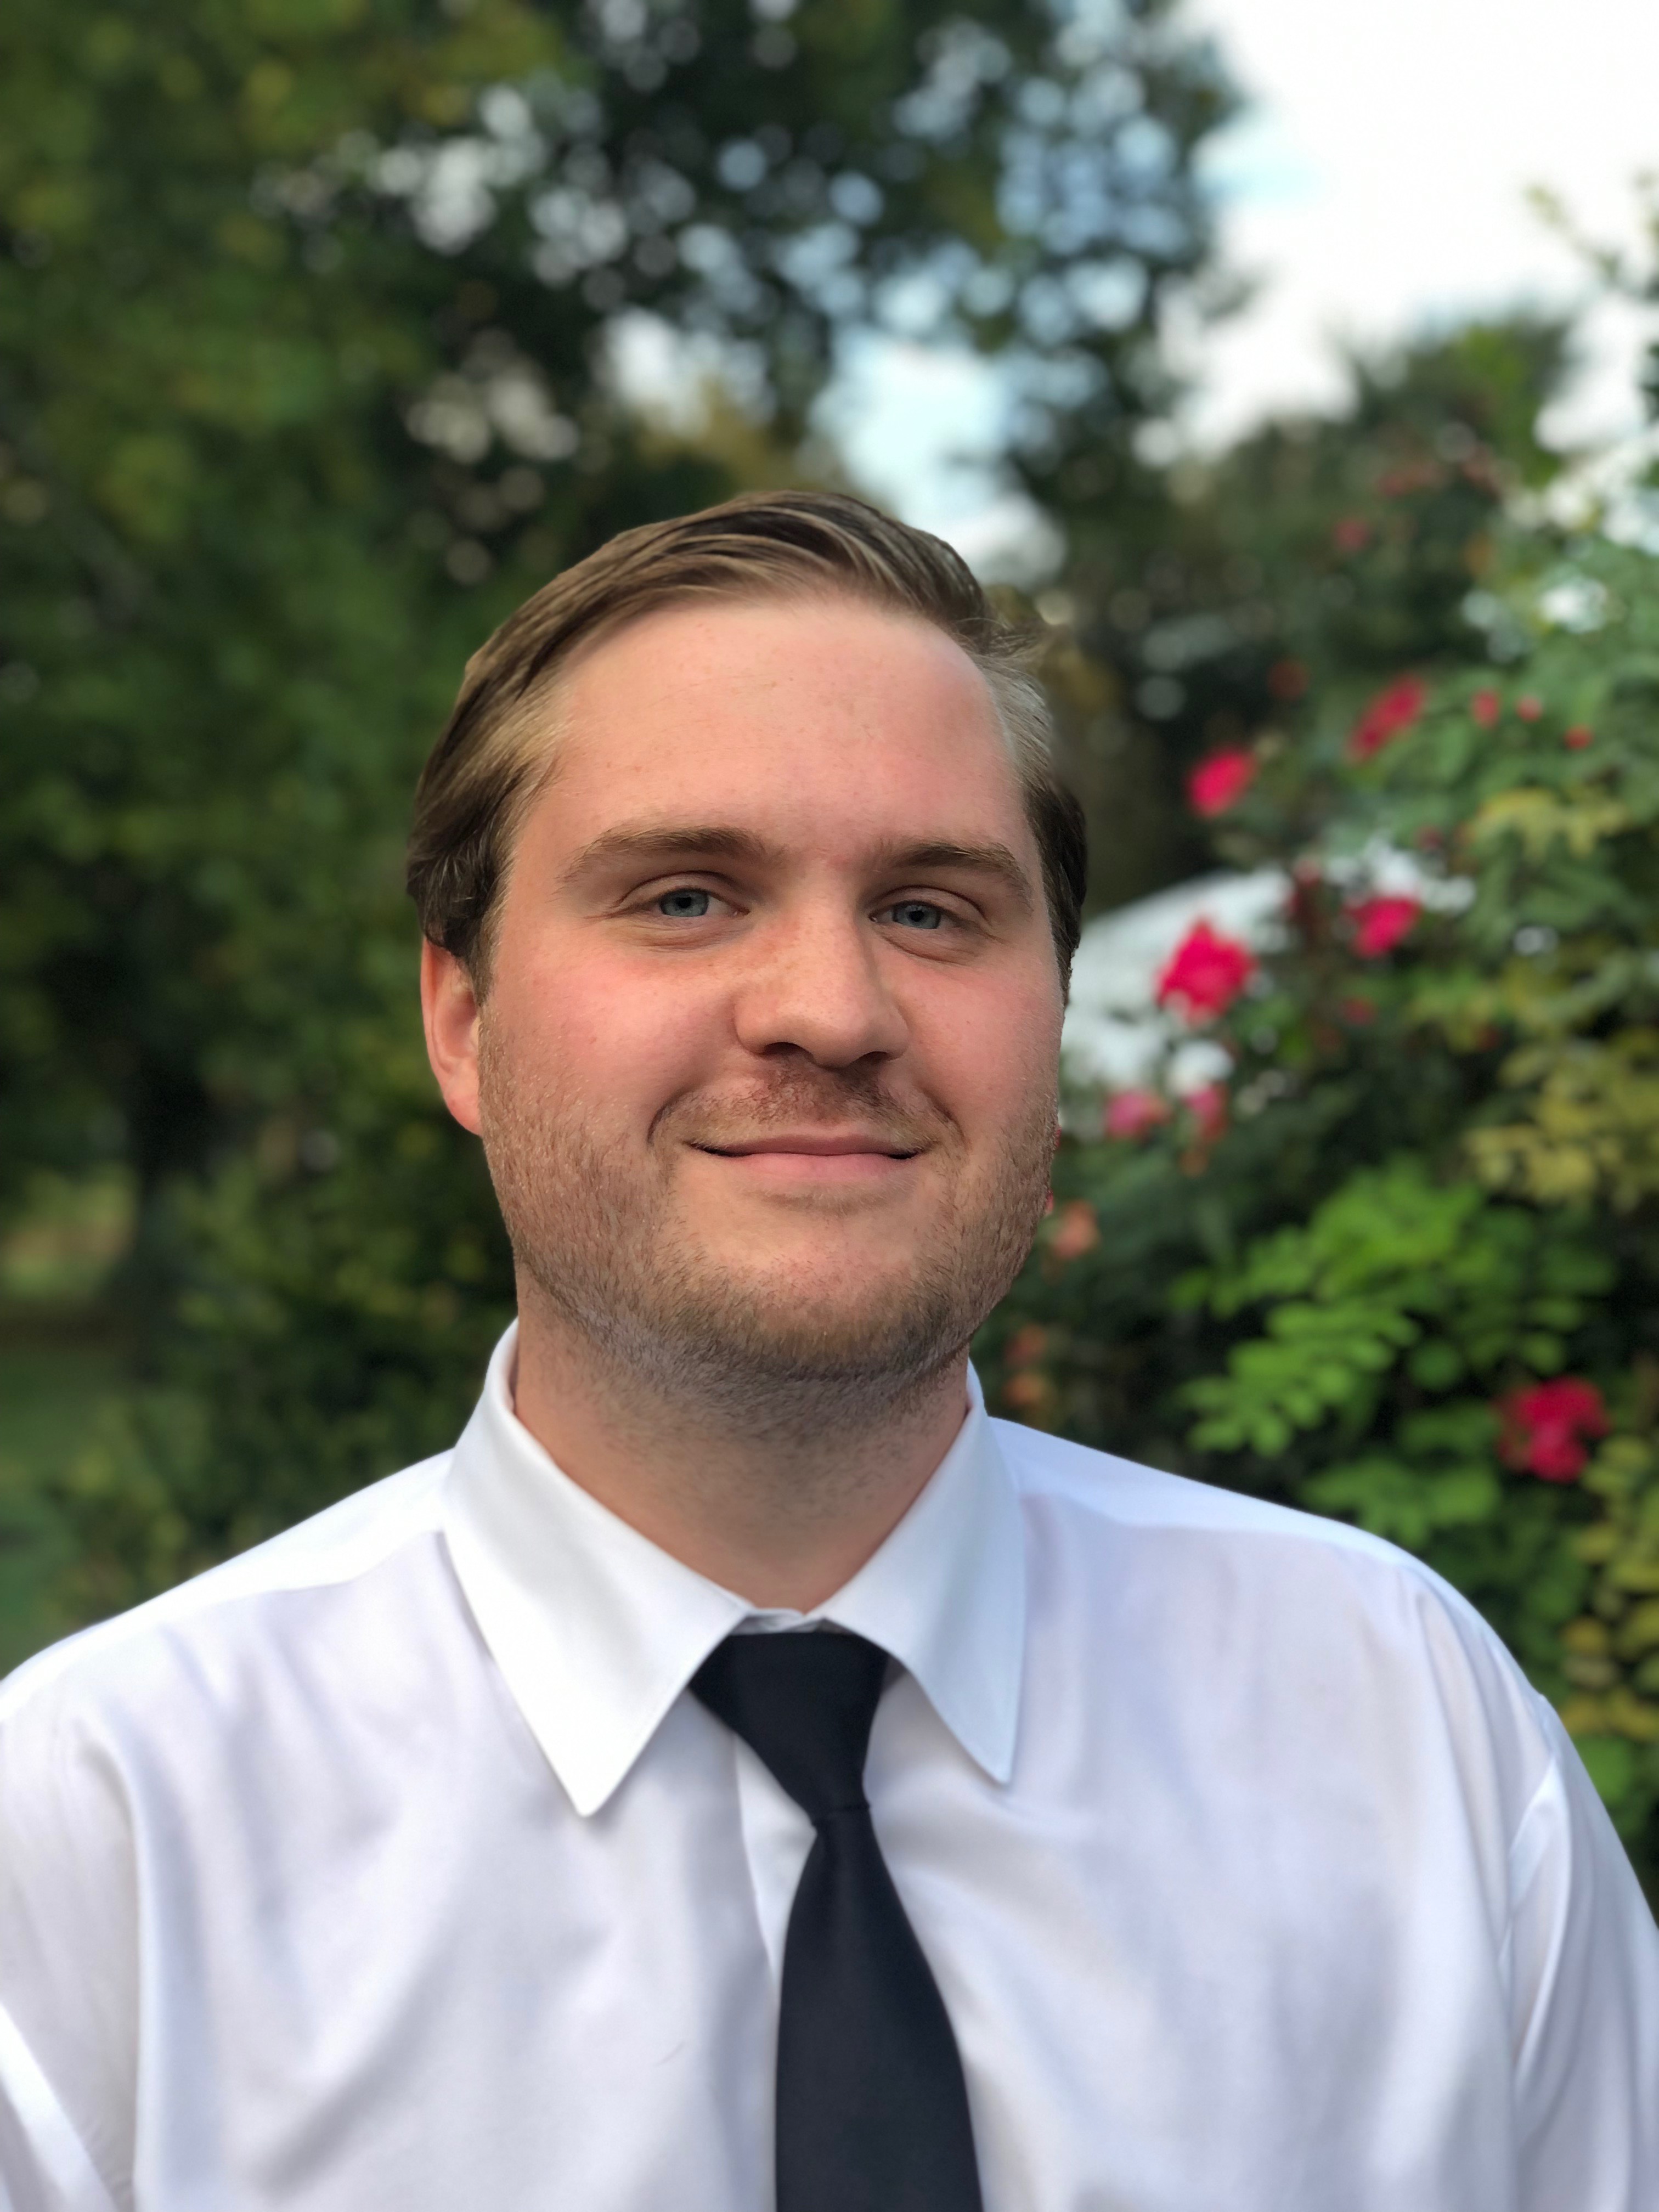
{"points": [[333, 1549], [1279, 1594], [1093, 1487]]}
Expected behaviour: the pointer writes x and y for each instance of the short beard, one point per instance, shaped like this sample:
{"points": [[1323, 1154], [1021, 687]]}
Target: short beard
{"points": [[593, 1235]]}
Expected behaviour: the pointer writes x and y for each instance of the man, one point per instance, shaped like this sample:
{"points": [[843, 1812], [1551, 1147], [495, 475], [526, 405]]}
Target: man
{"points": [[741, 1773]]}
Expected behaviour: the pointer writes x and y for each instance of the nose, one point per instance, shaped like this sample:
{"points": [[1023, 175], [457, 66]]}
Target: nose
{"points": [[816, 986]]}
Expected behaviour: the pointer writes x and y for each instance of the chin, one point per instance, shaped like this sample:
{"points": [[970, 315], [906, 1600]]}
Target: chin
{"points": [[814, 1288]]}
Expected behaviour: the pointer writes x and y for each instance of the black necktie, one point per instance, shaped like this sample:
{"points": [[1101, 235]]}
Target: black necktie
{"points": [[872, 2111]]}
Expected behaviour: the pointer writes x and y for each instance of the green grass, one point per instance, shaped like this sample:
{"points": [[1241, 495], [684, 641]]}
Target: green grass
{"points": [[51, 1383]]}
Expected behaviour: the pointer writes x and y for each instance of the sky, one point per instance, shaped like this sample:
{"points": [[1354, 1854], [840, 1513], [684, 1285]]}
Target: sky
{"points": [[1381, 181], [1377, 185]]}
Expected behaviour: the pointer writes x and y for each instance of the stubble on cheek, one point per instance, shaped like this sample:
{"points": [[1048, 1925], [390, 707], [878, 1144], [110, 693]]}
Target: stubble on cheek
{"points": [[566, 1186]]}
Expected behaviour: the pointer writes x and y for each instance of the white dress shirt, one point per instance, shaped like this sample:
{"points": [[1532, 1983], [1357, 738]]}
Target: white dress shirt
{"points": [[391, 1867]]}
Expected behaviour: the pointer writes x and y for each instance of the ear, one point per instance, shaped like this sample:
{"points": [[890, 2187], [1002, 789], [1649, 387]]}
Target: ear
{"points": [[449, 1008]]}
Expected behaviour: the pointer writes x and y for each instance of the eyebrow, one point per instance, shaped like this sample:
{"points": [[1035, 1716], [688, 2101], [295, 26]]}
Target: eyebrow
{"points": [[715, 841], [652, 841], [994, 859]]}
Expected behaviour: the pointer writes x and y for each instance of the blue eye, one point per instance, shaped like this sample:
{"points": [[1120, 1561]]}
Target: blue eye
{"points": [[686, 905], [917, 913]]}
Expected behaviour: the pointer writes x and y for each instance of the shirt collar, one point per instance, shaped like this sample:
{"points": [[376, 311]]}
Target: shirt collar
{"points": [[597, 1631]]}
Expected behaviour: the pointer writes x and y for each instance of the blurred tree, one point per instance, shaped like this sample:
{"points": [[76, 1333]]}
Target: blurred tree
{"points": [[309, 311], [1316, 553]]}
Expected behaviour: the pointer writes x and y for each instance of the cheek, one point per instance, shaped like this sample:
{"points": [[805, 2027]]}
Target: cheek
{"points": [[621, 1042], [988, 1056]]}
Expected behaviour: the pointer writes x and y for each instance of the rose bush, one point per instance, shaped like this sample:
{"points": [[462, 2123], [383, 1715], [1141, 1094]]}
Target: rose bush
{"points": [[1403, 1266]]}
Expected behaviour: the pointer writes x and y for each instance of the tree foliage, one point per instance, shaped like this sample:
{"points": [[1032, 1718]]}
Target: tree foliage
{"points": [[1315, 553], [309, 315]]}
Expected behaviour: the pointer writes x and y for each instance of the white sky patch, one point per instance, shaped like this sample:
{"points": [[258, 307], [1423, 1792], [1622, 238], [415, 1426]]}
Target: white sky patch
{"points": [[1378, 183], [1376, 186]]}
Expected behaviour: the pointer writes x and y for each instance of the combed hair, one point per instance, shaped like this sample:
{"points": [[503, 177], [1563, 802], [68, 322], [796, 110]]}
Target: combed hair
{"points": [[494, 756]]}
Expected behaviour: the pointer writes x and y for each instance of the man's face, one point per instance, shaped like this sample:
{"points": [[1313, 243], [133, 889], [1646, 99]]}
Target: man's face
{"points": [[766, 1067]]}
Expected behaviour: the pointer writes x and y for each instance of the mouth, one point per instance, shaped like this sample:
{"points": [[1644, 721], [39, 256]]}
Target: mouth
{"points": [[812, 1145], [815, 1158]]}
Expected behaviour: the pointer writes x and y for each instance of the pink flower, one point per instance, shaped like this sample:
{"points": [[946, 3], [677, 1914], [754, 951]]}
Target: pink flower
{"points": [[1076, 1230], [1351, 534], [1578, 737], [1206, 972], [1415, 475], [1216, 783], [1530, 707], [1486, 706], [1388, 715], [1131, 1113], [1208, 1107], [1028, 1392], [1545, 1427], [1379, 924]]}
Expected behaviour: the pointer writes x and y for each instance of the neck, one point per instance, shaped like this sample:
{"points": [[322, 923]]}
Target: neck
{"points": [[781, 1513]]}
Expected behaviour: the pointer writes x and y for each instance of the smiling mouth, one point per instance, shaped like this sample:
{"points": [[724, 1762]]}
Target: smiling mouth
{"points": [[804, 1146], [802, 1161]]}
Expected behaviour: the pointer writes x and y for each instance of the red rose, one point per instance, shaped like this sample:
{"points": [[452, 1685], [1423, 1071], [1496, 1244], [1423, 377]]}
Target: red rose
{"points": [[1486, 706], [1217, 782], [1131, 1113], [1390, 714], [1206, 972], [1578, 737], [1351, 534], [1545, 1427], [1379, 924], [1530, 707]]}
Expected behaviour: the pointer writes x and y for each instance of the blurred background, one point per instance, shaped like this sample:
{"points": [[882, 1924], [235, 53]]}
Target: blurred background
{"points": [[1292, 367]]}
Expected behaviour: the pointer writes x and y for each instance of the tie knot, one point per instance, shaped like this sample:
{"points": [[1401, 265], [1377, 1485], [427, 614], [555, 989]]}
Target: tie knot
{"points": [[803, 1703]]}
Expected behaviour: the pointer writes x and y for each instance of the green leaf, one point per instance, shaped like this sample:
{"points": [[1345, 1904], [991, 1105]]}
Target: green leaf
{"points": [[1611, 1763]]}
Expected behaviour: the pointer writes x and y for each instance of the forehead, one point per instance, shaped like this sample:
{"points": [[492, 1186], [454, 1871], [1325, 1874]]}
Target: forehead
{"points": [[834, 719]]}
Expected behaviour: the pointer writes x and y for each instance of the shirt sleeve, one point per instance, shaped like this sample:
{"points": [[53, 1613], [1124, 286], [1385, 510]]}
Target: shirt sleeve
{"points": [[68, 1967], [1583, 1974]]}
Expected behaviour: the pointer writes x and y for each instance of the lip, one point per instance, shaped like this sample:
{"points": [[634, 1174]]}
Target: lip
{"points": [[809, 1159], [813, 1145]]}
